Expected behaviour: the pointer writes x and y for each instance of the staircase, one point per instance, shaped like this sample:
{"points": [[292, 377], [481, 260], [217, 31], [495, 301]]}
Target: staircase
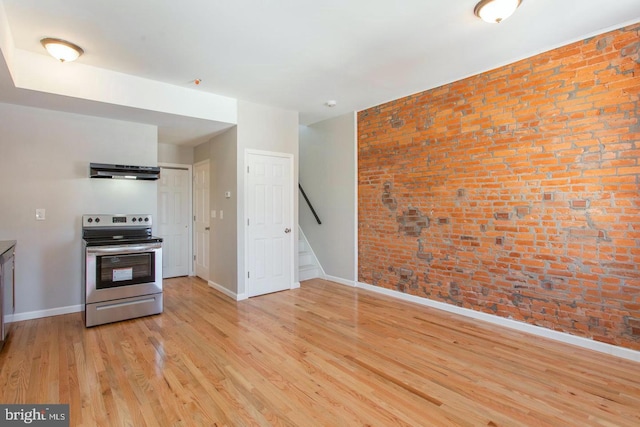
{"points": [[308, 265]]}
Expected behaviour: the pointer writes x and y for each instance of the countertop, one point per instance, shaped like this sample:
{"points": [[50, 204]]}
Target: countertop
{"points": [[5, 245]]}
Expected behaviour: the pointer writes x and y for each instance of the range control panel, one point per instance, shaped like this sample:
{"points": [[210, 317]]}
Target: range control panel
{"points": [[116, 220]]}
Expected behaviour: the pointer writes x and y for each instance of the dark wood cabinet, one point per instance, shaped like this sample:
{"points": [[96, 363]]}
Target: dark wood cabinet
{"points": [[7, 287]]}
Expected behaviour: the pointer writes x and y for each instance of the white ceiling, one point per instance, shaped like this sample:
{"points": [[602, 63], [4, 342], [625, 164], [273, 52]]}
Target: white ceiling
{"points": [[297, 54]]}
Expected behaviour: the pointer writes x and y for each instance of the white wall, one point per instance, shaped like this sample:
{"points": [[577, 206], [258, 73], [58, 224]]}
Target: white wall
{"points": [[44, 163], [328, 175], [170, 153], [264, 128], [202, 152]]}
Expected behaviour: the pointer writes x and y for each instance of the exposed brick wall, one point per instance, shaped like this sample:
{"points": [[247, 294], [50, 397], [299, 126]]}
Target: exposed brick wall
{"points": [[515, 192]]}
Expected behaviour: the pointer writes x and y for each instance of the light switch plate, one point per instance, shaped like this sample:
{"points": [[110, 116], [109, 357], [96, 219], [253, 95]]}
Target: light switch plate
{"points": [[227, 194], [221, 214], [213, 214], [40, 214]]}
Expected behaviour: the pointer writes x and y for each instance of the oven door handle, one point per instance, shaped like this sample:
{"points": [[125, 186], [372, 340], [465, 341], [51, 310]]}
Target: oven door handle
{"points": [[108, 250]]}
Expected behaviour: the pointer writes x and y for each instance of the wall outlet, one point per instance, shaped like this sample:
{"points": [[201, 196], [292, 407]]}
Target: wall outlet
{"points": [[40, 214], [227, 194]]}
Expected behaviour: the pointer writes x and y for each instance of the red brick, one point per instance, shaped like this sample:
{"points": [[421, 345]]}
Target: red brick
{"points": [[538, 182]]}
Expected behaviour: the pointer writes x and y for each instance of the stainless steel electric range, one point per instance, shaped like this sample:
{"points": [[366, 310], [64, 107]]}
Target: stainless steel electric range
{"points": [[122, 269]]}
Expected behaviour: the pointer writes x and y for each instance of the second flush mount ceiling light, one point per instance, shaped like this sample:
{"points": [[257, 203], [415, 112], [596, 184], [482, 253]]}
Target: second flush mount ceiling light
{"points": [[496, 11], [62, 50]]}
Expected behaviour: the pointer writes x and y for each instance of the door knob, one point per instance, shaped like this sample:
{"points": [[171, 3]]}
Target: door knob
{"points": [[287, 230], [206, 229]]}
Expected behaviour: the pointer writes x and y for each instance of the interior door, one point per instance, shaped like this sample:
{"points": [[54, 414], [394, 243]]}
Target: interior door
{"points": [[201, 175], [270, 226], [174, 220]]}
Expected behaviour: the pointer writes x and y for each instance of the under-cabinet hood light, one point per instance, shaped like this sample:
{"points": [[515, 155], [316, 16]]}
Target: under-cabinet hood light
{"points": [[102, 170]]}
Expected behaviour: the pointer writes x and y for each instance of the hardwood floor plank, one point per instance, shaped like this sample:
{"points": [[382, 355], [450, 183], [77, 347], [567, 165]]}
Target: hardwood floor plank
{"points": [[321, 355]]}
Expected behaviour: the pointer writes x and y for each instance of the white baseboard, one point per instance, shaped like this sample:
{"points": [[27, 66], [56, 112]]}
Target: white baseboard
{"points": [[341, 281], [563, 337], [29, 315], [242, 296], [227, 292]]}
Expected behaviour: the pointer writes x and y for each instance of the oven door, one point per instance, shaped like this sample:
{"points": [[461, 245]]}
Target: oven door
{"points": [[122, 271]]}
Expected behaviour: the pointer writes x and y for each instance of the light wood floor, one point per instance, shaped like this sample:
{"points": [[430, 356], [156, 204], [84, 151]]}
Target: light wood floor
{"points": [[322, 355]]}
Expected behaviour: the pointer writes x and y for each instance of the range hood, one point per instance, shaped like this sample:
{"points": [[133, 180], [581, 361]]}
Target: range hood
{"points": [[101, 170]]}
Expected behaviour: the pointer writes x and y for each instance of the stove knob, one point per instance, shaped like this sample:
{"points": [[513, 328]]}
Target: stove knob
{"points": [[97, 220], [90, 220], [134, 220], [146, 219]]}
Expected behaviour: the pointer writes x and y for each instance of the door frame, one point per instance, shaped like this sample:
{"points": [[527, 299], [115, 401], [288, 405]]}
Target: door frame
{"points": [[189, 209], [193, 227], [294, 222]]}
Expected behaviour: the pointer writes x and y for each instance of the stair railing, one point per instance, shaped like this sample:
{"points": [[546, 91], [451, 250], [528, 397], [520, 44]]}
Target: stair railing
{"points": [[313, 211]]}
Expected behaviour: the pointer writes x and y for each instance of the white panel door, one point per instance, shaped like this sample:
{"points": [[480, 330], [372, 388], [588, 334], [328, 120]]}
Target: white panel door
{"points": [[173, 221], [201, 175], [269, 229]]}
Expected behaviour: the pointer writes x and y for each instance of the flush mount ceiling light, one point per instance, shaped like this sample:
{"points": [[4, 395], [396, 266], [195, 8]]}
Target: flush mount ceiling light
{"points": [[496, 11], [62, 50]]}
